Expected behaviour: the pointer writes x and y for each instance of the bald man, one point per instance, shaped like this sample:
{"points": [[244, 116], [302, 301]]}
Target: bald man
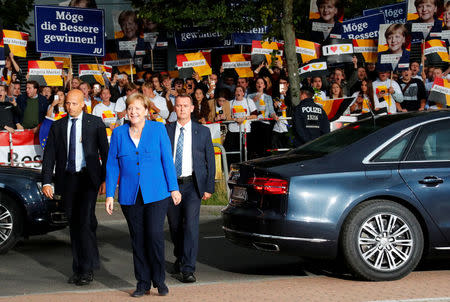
{"points": [[75, 145]]}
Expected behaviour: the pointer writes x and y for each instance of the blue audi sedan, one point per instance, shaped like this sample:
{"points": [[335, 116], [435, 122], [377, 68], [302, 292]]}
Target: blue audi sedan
{"points": [[375, 193]]}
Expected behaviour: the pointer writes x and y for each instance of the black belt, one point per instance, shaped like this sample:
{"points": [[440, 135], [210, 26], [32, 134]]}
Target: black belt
{"points": [[83, 170], [184, 180]]}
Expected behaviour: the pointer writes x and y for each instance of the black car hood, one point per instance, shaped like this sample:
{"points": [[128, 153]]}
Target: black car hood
{"points": [[20, 171]]}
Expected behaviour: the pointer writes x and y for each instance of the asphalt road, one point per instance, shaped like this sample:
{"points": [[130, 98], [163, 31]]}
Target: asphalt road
{"points": [[42, 264]]}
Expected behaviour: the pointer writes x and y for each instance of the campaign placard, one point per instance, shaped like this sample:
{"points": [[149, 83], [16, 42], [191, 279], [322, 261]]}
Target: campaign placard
{"points": [[363, 27], [393, 13], [200, 38], [69, 30]]}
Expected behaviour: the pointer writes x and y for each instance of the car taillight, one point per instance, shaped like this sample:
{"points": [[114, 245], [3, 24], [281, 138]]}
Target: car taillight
{"points": [[271, 186]]}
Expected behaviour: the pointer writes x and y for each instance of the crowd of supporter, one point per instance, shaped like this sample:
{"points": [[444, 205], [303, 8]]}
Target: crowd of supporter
{"points": [[221, 97]]}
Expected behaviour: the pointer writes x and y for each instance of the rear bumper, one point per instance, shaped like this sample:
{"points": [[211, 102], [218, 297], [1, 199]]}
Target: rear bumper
{"points": [[273, 233]]}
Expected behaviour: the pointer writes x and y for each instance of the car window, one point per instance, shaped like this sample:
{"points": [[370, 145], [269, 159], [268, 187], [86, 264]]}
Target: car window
{"points": [[432, 143], [394, 152]]}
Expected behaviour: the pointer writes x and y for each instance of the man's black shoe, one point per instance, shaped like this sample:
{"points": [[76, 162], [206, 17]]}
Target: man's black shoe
{"points": [[187, 278], [163, 290], [74, 278], [139, 292], [85, 279]]}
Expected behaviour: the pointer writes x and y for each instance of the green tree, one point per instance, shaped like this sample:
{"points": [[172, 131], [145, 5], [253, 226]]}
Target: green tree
{"points": [[14, 14]]}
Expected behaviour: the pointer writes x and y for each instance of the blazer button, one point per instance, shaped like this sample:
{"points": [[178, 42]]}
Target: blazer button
{"points": [[138, 163], [139, 173], [137, 153]]}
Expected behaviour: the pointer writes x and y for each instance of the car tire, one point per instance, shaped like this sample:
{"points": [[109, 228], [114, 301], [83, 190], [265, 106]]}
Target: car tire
{"points": [[381, 240], [11, 223]]}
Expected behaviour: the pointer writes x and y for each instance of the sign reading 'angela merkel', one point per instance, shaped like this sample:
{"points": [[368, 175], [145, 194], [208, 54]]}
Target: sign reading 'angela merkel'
{"points": [[69, 30]]}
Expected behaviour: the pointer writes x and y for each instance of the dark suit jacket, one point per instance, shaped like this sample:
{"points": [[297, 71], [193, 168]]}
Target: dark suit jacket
{"points": [[203, 161], [95, 145], [22, 103]]}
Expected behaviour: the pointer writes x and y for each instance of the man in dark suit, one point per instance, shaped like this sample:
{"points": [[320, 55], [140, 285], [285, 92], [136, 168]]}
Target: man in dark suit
{"points": [[193, 155], [74, 144]]}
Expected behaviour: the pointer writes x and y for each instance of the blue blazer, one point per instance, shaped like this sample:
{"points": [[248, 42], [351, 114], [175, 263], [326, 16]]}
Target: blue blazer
{"points": [[149, 166], [203, 160]]}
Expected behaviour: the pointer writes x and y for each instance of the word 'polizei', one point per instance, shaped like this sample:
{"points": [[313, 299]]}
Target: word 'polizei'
{"points": [[310, 109]]}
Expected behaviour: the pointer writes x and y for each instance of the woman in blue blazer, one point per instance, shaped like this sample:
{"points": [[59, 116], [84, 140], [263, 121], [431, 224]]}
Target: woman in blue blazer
{"points": [[141, 153]]}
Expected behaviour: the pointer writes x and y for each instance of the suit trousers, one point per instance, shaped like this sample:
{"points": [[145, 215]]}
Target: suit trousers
{"points": [[146, 226], [184, 227], [80, 196]]}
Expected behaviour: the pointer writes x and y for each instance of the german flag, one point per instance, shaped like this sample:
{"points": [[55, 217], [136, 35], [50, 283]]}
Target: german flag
{"points": [[60, 57], [440, 92], [92, 73], [46, 73], [199, 62], [306, 50], [240, 63], [336, 107], [122, 65], [368, 49], [436, 52], [264, 51], [17, 42]]}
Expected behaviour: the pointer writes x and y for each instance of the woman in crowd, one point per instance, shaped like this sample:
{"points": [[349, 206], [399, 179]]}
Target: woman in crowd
{"points": [[363, 102], [9, 111], [261, 135], [242, 110], [335, 92], [11, 71], [142, 154], [201, 106], [219, 108], [157, 87], [56, 109]]}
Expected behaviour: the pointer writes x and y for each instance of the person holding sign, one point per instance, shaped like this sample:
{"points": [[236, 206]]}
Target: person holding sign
{"points": [[242, 109], [386, 93]]}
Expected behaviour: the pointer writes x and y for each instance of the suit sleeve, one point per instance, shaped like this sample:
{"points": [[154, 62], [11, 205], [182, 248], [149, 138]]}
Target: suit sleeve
{"points": [[112, 166], [167, 160], [210, 162], [102, 140], [48, 162]]}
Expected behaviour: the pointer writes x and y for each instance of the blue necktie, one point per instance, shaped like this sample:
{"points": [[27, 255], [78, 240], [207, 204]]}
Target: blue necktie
{"points": [[179, 153], [72, 142]]}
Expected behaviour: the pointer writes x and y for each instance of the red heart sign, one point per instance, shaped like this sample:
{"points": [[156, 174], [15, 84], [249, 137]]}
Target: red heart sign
{"points": [[333, 48], [306, 67]]}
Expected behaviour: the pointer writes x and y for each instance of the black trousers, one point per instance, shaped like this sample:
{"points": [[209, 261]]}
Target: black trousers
{"points": [[146, 226], [260, 139], [184, 227], [80, 196]]}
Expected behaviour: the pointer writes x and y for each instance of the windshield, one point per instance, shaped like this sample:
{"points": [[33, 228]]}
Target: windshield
{"points": [[348, 135]]}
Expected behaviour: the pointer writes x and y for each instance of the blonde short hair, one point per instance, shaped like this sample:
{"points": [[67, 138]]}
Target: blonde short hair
{"points": [[136, 97]]}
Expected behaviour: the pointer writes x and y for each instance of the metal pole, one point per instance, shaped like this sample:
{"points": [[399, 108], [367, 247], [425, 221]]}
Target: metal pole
{"points": [[11, 152], [131, 70], [240, 142]]}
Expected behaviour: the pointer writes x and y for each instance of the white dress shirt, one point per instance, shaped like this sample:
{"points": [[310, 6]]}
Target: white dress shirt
{"points": [[80, 161], [186, 169]]}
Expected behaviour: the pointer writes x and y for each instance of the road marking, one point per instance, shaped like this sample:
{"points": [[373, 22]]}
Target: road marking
{"points": [[445, 299], [214, 237]]}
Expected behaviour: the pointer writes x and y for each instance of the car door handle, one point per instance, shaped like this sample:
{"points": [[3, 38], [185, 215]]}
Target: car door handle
{"points": [[431, 180]]}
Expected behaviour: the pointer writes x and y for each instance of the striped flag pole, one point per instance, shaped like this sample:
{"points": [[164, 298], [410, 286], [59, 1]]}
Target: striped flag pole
{"points": [[70, 72], [98, 67], [131, 70]]}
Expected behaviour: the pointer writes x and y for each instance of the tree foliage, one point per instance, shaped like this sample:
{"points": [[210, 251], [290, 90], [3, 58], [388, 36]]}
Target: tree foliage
{"points": [[14, 14]]}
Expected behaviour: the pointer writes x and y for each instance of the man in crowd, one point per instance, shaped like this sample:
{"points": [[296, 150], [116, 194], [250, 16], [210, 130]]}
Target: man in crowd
{"points": [[414, 94], [33, 107], [9, 111], [106, 110], [386, 93], [310, 120], [117, 86], [75, 144], [196, 182]]}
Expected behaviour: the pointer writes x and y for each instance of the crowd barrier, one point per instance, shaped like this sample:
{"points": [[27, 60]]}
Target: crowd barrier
{"points": [[21, 148]]}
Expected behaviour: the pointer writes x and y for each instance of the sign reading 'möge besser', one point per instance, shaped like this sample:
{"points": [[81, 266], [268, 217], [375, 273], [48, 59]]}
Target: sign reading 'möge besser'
{"points": [[69, 30]]}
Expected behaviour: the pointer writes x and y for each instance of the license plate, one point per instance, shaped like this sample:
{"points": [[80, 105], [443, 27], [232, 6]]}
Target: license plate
{"points": [[239, 193]]}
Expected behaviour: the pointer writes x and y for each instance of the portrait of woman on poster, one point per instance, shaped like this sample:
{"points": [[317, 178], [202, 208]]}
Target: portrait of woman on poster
{"points": [[330, 12], [131, 29], [446, 16], [428, 11], [396, 36]]}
